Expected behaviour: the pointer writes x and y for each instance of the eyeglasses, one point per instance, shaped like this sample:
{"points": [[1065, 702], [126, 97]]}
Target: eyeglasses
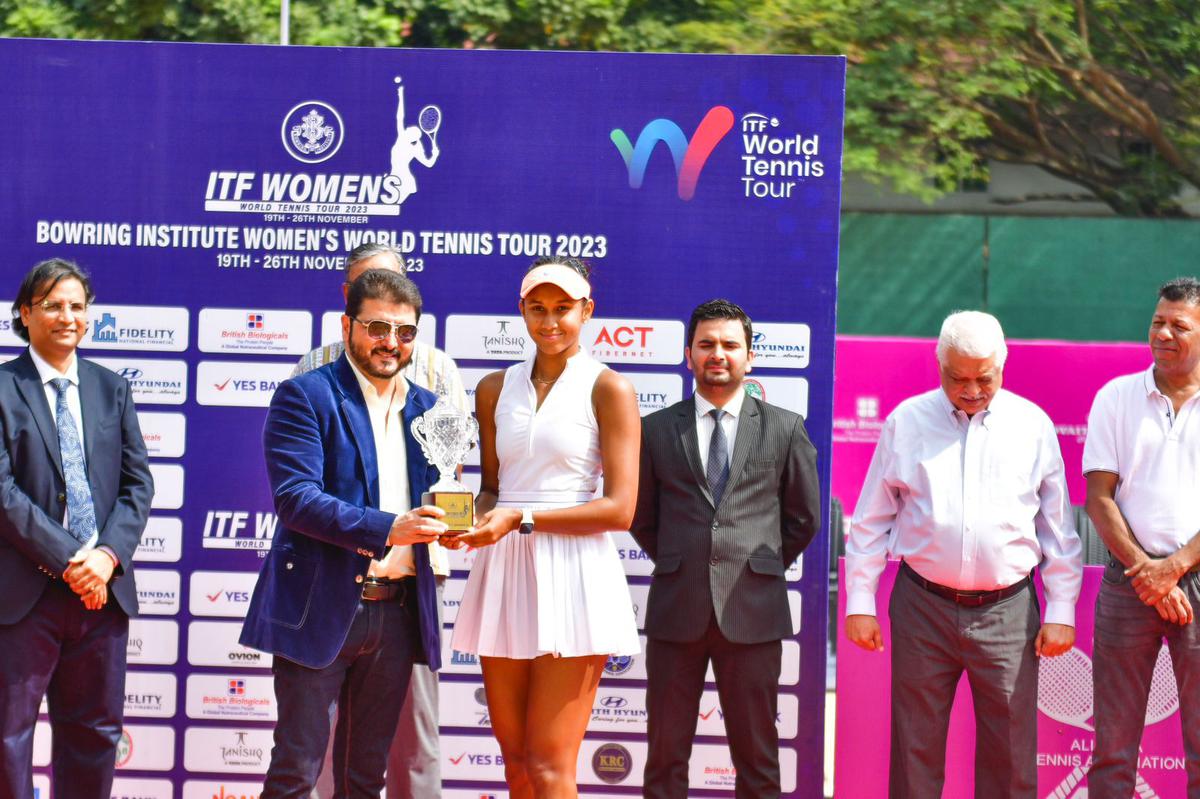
{"points": [[56, 307], [379, 330]]}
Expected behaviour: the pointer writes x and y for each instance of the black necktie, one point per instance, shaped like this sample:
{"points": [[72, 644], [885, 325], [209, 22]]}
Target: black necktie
{"points": [[718, 457]]}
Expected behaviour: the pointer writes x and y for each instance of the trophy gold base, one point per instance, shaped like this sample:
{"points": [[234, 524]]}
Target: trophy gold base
{"points": [[458, 505]]}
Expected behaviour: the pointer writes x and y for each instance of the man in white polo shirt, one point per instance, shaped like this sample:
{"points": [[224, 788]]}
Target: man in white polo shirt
{"points": [[1142, 461]]}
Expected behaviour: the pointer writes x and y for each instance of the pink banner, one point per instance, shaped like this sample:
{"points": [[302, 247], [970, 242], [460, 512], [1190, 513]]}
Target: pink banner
{"points": [[1065, 738], [873, 375]]}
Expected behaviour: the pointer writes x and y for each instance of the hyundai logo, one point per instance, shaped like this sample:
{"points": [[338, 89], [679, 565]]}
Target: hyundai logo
{"points": [[613, 701], [130, 373]]}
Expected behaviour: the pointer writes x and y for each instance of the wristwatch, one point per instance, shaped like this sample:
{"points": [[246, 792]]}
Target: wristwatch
{"points": [[526, 521]]}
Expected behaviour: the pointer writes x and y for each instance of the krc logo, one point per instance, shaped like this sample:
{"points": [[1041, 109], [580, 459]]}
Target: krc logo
{"points": [[689, 156]]}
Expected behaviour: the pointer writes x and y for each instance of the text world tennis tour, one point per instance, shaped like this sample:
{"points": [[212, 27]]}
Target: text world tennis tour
{"points": [[299, 192]]}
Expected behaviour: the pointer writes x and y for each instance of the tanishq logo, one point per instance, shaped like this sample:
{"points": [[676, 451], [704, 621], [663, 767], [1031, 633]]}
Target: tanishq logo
{"points": [[689, 156]]}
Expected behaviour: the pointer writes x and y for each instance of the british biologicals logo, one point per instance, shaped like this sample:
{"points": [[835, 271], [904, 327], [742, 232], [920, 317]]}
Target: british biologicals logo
{"points": [[689, 155]]}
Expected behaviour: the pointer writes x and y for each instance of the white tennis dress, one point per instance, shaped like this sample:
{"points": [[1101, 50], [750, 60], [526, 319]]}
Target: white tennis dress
{"points": [[547, 593]]}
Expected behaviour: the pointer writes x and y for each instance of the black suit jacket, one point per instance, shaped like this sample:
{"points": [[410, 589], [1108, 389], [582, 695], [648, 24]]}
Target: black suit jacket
{"points": [[34, 546], [728, 559]]}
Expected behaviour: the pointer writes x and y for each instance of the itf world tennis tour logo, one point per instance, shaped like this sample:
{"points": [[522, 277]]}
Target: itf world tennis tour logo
{"points": [[773, 165], [312, 132]]}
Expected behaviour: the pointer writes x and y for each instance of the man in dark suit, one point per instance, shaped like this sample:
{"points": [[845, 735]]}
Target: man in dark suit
{"points": [[727, 499], [346, 600], [75, 492]]}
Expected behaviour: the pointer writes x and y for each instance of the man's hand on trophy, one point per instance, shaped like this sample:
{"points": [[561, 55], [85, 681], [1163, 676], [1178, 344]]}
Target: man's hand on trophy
{"points": [[489, 528], [418, 526]]}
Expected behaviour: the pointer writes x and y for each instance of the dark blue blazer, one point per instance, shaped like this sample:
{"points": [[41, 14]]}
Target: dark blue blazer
{"points": [[324, 474], [34, 546]]}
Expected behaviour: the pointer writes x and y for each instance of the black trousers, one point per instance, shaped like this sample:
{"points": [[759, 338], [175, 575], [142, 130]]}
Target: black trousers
{"points": [[748, 687]]}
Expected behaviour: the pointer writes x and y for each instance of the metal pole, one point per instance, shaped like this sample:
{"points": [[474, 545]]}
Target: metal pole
{"points": [[284, 8]]}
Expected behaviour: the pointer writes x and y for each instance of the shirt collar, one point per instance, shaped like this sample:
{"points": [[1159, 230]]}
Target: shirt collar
{"points": [[733, 407], [1151, 386], [46, 372], [399, 384]]}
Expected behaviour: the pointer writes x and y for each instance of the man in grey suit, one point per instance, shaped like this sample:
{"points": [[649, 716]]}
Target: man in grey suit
{"points": [[727, 499]]}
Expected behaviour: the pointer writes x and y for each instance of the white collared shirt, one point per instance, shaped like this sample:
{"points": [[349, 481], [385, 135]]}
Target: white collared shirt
{"points": [[705, 425], [46, 373], [1134, 433], [387, 427], [973, 503]]}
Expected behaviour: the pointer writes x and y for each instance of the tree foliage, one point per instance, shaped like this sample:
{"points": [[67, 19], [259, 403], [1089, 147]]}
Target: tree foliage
{"points": [[1105, 93]]}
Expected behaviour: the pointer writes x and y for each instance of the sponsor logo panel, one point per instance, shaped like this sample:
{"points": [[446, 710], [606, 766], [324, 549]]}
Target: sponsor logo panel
{"points": [[454, 662], [137, 327], [224, 750], [626, 667], [126, 788], [221, 789], [224, 696], [786, 392], [634, 340], [146, 748], [711, 768], [168, 486], [779, 345], [462, 704], [794, 607], [634, 560], [153, 382], [331, 328], [473, 758], [655, 391], [487, 338], [41, 786], [162, 542], [452, 594], [611, 763], [249, 330], [152, 642], [790, 672], [41, 743], [157, 591], [8, 336], [221, 593], [638, 594], [150, 694], [215, 643], [165, 434], [238, 529], [619, 710], [711, 719], [239, 383]]}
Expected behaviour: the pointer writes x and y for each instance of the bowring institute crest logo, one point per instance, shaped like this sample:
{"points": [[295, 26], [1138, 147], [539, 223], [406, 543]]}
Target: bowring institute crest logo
{"points": [[312, 132]]}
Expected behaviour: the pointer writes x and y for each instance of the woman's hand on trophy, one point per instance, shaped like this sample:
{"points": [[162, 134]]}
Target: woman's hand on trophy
{"points": [[418, 526], [489, 528]]}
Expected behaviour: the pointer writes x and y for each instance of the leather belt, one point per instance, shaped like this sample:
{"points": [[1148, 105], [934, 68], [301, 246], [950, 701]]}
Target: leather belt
{"points": [[969, 599], [384, 590]]}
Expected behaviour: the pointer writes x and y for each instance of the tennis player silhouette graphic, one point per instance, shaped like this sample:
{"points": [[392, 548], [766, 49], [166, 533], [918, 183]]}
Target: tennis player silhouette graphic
{"points": [[408, 144]]}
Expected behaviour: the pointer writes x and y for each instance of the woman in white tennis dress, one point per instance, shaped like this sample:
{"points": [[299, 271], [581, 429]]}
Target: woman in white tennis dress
{"points": [[547, 601]]}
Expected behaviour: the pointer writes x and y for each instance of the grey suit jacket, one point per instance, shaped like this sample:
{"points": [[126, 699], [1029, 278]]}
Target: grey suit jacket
{"points": [[728, 560]]}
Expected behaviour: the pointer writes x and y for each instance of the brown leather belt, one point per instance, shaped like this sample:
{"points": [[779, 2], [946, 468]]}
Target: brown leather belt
{"points": [[385, 590], [969, 599]]}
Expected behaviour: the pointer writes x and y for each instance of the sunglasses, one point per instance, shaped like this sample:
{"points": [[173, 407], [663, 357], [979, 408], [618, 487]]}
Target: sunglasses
{"points": [[379, 330]]}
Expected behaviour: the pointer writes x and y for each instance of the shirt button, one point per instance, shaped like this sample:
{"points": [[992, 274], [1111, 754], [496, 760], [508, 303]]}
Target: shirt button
{"points": [[62, 497], [715, 525], [358, 578]]}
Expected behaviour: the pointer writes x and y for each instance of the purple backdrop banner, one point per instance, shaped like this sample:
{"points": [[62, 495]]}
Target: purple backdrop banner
{"points": [[212, 191]]}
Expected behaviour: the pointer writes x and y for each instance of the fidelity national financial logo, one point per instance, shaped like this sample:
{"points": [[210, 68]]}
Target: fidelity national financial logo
{"points": [[774, 161], [312, 132]]}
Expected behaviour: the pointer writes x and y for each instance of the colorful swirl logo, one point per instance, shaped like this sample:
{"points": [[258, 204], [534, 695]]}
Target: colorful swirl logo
{"points": [[689, 156]]}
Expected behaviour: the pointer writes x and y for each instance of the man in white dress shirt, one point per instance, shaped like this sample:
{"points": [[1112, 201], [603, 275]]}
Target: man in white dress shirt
{"points": [[1142, 461], [966, 487]]}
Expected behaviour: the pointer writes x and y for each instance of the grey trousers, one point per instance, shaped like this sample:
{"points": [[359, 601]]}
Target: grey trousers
{"points": [[933, 641], [1128, 637], [414, 768]]}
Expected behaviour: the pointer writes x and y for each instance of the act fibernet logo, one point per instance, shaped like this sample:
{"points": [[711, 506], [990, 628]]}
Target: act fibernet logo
{"points": [[774, 161], [312, 132]]}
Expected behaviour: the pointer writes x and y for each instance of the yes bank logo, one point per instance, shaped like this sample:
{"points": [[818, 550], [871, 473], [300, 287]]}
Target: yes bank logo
{"points": [[689, 155]]}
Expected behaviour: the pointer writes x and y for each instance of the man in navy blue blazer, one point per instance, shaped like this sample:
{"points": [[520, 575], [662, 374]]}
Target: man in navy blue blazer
{"points": [[75, 492], [346, 600]]}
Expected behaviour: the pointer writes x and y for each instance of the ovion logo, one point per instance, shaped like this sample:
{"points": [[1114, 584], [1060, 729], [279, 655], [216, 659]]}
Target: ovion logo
{"points": [[689, 156]]}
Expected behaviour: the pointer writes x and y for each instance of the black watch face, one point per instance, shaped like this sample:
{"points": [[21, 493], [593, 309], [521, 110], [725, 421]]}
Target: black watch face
{"points": [[526, 528]]}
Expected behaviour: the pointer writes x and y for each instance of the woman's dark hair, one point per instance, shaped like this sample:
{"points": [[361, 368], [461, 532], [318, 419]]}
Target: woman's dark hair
{"points": [[719, 309], [40, 281], [382, 284], [576, 264]]}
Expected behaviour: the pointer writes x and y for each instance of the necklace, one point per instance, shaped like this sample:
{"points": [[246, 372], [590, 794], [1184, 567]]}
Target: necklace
{"points": [[543, 381]]}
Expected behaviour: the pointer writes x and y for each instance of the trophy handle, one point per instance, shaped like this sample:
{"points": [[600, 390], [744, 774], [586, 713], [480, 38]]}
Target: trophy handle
{"points": [[418, 431]]}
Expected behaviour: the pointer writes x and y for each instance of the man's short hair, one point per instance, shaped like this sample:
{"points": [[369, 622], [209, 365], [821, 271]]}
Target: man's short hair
{"points": [[370, 249], [40, 281], [1181, 289], [719, 309], [974, 334], [382, 284]]}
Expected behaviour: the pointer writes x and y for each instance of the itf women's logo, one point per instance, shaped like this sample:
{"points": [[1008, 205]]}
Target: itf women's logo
{"points": [[689, 156], [312, 132]]}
